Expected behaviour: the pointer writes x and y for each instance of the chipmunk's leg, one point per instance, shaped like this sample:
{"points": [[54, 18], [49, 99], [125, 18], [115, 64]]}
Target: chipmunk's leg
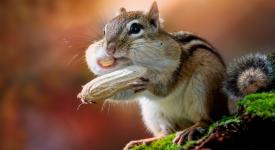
{"points": [[147, 141], [189, 133]]}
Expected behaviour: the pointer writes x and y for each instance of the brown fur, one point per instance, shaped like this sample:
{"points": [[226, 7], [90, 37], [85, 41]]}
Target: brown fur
{"points": [[212, 69]]}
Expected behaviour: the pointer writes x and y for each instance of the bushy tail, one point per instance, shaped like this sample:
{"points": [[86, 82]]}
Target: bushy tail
{"points": [[249, 74]]}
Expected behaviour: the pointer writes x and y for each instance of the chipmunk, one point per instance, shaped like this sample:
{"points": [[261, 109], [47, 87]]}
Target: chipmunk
{"points": [[182, 91]]}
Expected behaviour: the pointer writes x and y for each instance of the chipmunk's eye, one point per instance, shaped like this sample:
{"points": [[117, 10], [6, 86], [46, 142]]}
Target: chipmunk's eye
{"points": [[135, 28]]}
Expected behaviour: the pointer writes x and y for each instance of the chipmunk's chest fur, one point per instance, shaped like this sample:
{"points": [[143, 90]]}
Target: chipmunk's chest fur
{"points": [[175, 111], [196, 96]]}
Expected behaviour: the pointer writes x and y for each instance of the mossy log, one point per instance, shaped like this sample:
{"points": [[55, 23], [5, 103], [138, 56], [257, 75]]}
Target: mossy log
{"points": [[252, 128]]}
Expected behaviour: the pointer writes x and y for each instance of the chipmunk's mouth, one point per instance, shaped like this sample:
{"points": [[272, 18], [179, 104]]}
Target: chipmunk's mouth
{"points": [[111, 62]]}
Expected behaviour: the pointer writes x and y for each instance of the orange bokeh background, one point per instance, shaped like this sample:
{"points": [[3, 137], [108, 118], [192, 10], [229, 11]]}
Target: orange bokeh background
{"points": [[42, 66]]}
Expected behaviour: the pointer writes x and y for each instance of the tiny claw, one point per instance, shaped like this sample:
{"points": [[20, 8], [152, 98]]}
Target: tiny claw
{"points": [[180, 137], [189, 133], [140, 85]]}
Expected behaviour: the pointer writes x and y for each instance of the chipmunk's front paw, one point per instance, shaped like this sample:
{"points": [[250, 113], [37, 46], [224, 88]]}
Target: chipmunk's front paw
{"points": [[140, 85]]}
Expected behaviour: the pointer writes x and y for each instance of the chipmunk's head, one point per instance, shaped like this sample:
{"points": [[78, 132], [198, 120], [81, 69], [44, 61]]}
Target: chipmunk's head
{"points": [[132, 37], [129, 30]]}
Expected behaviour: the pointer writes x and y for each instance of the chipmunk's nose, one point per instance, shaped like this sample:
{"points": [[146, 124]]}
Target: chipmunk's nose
{"points": [[111, 49]]}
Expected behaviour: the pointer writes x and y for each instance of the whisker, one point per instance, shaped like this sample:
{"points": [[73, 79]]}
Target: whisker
{"points": [[80, 60], [103, 105], [109, 107], [69, 63]]}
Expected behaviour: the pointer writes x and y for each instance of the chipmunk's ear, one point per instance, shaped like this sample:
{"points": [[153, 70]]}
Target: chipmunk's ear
{"points": [[153, 14], [121, 11]]}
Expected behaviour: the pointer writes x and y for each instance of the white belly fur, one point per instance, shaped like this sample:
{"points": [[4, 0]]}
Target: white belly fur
{"points": [[182, 108]]}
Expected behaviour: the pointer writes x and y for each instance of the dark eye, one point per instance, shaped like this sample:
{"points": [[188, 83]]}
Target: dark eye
{"points": [[135, 28]]}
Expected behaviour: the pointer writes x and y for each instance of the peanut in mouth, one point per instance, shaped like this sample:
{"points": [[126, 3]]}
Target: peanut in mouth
{"points": [[106, 62]]}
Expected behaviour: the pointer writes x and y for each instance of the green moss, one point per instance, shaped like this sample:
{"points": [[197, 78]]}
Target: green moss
{"points": [[162, 144], [261, 105], [223, 122], [166, 143]]}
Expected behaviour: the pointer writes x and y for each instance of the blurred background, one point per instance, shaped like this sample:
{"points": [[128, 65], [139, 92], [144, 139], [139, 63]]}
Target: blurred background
{"points": [[42, 67]]}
